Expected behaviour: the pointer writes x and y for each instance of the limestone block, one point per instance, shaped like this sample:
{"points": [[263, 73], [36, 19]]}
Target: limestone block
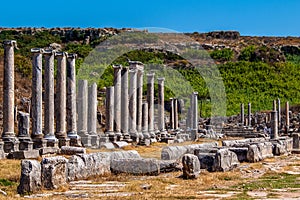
{"points": [[136, 166], [69, 150], [225, 160], [54, 172], [30, 180], [191, 166]]}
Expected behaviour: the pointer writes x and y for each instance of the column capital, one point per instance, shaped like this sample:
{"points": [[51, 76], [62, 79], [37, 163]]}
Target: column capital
{"points": [[49, 52], [61, 54], [132, 70], [118, 67], [37, 50], [151, 74], [195, 93], [136, 65], [10, 43], [72, 55], [161, 79]]}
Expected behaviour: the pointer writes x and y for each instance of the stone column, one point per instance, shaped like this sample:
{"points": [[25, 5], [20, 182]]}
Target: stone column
{"points": [[109, 111], [175, 114], [139, 112], [150, 100], [124, 103], [61, 100], [274, 105], [249, 114], [92, 115], [279, 113], [195, 111], [49, 99], [161, 107], [36, 99], [132, 104], [274, 132], [75, 139], [82, 111], [242, 114], [171, 113], [287, 118], [188, 119], [145, 121], [23, 130], [191, 115], [117, 100], [8, 135]]}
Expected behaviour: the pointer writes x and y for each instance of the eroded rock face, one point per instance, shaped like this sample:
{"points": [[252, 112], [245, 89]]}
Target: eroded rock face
{"points": [[225, 160], [54, 172], [191, 166], [136, 166], [30, 177]]}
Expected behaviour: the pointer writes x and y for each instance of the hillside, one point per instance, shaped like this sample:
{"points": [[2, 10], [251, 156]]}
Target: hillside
{"points": [[255, 69]]}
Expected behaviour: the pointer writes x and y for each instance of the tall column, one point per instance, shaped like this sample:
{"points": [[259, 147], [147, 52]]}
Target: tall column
{"points": [[145, 120], [8, 135], [195, 111], [117, 100], [92, 109], [287, 118], [109, 112], [92, 115], [82, 112], [191, 115], [124, 103], [175, 114], [171, 113], [75, 139], [279, 114], [49, 99], [150, 100], [274, 133], [140, 73], [249, 114], [132, 104], [37, 89], [61, 100], [242, 114], [161, 107], [274, 105]]}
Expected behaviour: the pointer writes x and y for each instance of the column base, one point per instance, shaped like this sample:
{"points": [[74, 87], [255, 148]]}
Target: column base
{"points": [[111, 135], [95, 140], [75, 139], [39, 143], [146, 135], [194, 134], [163, 134], [59, 135], [11, 144], [63, 142], [85, 138], [145, 142], [25, 144], [119, 136], [134, 136], [52, 141], [140, 135], [127, 138]]}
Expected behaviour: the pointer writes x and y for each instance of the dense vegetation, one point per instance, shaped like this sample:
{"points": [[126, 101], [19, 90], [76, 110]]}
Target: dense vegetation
{"points": [[256, 74]]}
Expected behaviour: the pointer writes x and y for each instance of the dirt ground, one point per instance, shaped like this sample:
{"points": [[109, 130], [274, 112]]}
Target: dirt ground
{"points": [[274, 178]]}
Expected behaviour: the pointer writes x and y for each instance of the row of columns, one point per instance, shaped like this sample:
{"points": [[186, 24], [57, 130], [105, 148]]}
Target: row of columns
{"points": [[60, 110], [127, 114]]}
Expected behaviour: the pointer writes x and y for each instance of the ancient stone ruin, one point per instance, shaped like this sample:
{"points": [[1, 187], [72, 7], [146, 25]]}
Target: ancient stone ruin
{"points": [[63, 120]]}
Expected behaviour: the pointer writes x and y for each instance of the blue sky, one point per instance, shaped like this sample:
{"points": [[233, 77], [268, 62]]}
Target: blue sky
{"points": [[250, 17]]}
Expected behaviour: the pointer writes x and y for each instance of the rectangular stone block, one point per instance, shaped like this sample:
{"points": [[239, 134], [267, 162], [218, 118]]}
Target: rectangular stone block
{"points": [[225, 160], [176, 152], [67, 150], [30, 180], [136, 166], [49, 150], [32, 154], [259, 151], [54, 172]]}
